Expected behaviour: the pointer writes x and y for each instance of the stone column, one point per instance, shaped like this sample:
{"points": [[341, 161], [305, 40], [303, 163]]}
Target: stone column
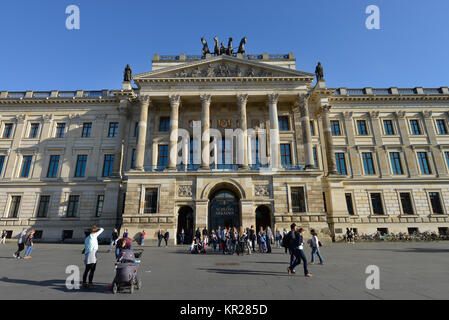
{"points": [[242, 99], [306, 135], [330, 152], [142, 134], [274, 129], [175, 101], [205, 124]]}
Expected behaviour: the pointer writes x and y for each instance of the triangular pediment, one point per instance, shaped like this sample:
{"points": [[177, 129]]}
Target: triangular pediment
{"points": [[221, 67]]}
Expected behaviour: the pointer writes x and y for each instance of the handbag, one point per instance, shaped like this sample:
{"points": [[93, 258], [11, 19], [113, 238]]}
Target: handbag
{"points": [[320, 244]]}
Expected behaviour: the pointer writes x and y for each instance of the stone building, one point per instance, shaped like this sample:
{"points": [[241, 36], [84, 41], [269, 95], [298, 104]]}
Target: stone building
{"points": [[370, 159]]}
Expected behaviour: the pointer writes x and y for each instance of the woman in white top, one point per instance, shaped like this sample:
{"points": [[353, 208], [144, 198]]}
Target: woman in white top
{"points": [[315, 244], [90, 255]]}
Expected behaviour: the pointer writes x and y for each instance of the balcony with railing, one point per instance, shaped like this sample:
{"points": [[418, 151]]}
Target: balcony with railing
{"points": [[223, 168]]}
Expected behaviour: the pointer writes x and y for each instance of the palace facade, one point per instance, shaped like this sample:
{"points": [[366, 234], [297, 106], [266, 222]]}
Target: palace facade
{"points": [[369, 159]]}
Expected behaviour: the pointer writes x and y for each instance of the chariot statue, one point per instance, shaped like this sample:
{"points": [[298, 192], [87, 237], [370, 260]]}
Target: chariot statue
{"points": [[205, 47]]}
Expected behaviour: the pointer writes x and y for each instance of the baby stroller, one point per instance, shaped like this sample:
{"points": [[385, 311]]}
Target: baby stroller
{"points": [[126, 272]]}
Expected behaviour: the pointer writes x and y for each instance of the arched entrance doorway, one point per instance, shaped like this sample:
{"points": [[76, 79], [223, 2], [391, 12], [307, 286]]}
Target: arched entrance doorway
{"points": [[263, 217], [224, 209], [186, 222]]}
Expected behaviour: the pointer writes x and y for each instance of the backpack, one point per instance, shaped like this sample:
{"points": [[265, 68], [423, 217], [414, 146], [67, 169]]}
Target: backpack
{"points": [[286, 240]]}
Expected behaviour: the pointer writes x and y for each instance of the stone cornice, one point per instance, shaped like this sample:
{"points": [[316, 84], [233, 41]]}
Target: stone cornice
{"points": [[228, 79], [417, 97], [58, 100]]}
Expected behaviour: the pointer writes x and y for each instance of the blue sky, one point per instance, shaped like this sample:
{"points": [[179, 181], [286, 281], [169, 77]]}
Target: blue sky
{"points": [[39, 53]]}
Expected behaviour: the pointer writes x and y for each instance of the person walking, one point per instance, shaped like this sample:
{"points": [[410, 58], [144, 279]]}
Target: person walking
{"points": [[278, 238], [160, 236], [315, 244], [29, 243], [3, 239], [142, 237], [205, 232], [219, 238], [297, 251], [20, 243], [166, 237], [90, 256], [252, 238], [182, 237], [114, 238], [284, 233], [269, 236]]}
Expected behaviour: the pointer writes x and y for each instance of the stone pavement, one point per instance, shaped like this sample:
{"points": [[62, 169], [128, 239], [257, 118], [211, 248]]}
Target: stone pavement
{"points": [[417, 270]]}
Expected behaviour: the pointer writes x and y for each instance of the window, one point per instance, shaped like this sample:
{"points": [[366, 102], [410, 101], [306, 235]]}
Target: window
{"points": [[424, 163], [44, 204], [312, 128], [286, 157], [53, 166], [38, 234], [255, 152], [368, 163], [113, 129], [315, 157], [26, 166], [34, 130], [382, 231], [298, 199], [164, 124], [341, 163], [443, 231], [7, 131], [108, 164], [72, 208], [87, 128], [446, 155], [133, 159], [414, 127], [14, 207], [349, 204], [283, 124], [2, 163], [412, 231], [396, 165], [162, 159], [388, 127], [67, 234], [376, 203], [81, 162], [136, 129], [442, 127], [225, 154], [435, 202], [406, 202], [60, 130], [193, 152], [362, 128], [335, 128], [100, 204], [150, 200]]}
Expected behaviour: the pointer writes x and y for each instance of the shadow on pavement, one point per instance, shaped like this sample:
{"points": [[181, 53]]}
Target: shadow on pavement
{"points": [[245, 272], [57, 285]]}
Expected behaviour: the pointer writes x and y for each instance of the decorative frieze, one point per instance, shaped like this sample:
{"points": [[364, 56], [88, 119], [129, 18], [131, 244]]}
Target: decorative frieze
{"points": [[185, 191], [262, 190]]}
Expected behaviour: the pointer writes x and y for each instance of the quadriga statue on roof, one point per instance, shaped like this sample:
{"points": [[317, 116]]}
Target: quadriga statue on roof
{"points": [[205, 47], [242, 46]]}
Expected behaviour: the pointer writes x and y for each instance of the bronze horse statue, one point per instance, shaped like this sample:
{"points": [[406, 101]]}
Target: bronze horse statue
{"points": [[205, 47], [242, 46], [216, 47]]}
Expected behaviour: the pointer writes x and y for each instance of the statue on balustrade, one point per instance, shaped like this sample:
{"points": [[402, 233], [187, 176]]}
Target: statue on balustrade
{"points": [[205, 47], [230, 49], [128, 74], [216, 47], [242, 46], [319, 72]]}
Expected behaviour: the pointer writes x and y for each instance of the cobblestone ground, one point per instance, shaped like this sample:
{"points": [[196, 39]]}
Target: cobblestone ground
{"points": [[416, 270]]}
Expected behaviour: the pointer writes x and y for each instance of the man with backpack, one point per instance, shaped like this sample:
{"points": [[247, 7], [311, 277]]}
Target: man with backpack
{"points": [[20, 243], [297, 250]]}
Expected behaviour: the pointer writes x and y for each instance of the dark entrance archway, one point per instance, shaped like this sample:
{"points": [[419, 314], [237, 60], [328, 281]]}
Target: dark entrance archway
{"points": [[186, 222], [224, 209], [263, 217]]}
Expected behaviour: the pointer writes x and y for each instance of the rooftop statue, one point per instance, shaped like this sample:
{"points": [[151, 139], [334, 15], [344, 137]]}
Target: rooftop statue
{"points": [[205, 47], [222, 49], [319, 72], [216, 47], [230, 49], [242, 46], [128, 74]]}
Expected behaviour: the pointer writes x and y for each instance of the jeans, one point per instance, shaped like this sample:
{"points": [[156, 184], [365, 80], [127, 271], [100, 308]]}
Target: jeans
{"points": [[90, 268], [142, 241], [214, 245], [159, 242], [317, 251], [113, 243], [297, 256], [28, 251], [182, 240]]}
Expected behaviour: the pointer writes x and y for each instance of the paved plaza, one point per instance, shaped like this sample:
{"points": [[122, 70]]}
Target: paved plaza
{"points": [[414, 270]]}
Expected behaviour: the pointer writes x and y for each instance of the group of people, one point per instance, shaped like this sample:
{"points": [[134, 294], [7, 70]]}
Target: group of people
{"points": [[230, 240], [25, 238]]}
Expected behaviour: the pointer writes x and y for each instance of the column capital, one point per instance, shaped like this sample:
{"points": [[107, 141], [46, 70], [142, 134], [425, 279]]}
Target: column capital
{"points": [[175, 99], [326, 108], [427, 114], [144, 99], [206, 98], [374, 114], [399, 114], [273, 98], [242, 98]]}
